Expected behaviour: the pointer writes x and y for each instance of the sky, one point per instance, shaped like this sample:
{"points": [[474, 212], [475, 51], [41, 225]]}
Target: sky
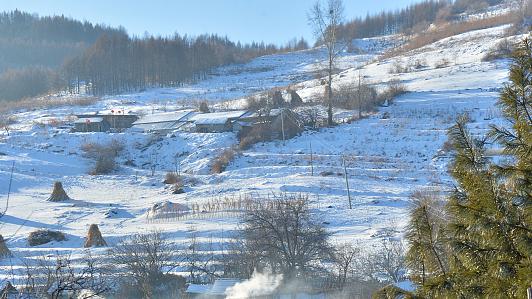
{"points": [[271, 21]]}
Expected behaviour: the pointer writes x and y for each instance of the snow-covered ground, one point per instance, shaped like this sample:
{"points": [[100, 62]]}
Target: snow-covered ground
{"points": [[388, 155]]}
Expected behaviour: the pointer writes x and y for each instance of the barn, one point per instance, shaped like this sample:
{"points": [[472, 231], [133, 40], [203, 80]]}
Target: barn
{"points": [[163, 122], [217, 122], [91, 124]]}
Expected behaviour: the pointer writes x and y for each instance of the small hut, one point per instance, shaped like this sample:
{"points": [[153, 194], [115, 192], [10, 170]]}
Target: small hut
{"points": [[91, 124], [94, 237], [4, 251], [58, 194]]}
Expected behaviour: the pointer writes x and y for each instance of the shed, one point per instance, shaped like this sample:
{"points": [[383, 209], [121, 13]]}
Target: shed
{"points": [[221, 285], [216, 290], [118, 121], [216, 122], [163, 122], [274, 122], [91, 124]]}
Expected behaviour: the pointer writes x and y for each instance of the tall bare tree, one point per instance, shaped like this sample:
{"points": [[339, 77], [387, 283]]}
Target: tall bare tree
{"points": [[283, 235], [325, 20]]}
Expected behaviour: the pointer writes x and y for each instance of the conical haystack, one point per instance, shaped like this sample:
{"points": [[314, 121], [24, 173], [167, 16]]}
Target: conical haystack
{"points": [[59, 193], [4, 251], [8, 291], [94, 237]]}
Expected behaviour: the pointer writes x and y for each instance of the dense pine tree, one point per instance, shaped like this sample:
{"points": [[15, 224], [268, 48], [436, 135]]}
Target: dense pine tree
{"points": [[489, 231]]}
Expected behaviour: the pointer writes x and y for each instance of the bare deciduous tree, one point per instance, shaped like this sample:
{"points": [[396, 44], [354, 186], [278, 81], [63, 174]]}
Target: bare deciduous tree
{"points": [[387, 260], [61, 277], [283, 235], [325, 21], [146, 260], [345, 257]]}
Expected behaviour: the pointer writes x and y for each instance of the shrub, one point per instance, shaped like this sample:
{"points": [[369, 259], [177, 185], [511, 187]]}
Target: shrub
{"points": [[259, 133], [104, 155], [203, 107], [399, 68], [419, 64], [105, 163], [171, 178], [444, 62], [394, 88], [222, 161], [502, 49], [363, 97], [44, 236]]}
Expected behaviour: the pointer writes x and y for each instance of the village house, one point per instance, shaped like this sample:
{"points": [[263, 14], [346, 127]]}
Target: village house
{"points": [[217, 122], [116, 120], [91, 124], [164, 122], [280, 123]]}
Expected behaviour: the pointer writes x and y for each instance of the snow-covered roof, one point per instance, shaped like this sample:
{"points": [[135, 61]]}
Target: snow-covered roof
{"points": [[198, 288], [217, 118], [164, 117], [89, 120], [221, 285], [273, 112], [163, 126]]}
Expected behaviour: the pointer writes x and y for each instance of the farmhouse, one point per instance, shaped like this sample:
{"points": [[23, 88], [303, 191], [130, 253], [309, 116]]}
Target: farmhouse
{"points": [[217, 122], [114, 120], [91, 124], [280, 123], [163, 122]]}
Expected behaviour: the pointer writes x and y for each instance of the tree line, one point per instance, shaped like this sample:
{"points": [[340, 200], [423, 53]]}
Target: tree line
{"points": [[412, 18], [118, 63], [41, 54]]}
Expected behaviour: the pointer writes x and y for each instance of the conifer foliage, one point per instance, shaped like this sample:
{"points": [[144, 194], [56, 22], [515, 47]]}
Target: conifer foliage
{"points": [[484, 247]]}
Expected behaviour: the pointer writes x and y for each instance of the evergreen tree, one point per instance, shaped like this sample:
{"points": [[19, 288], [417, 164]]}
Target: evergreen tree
{"points": [[427, 254], [489, 231]]}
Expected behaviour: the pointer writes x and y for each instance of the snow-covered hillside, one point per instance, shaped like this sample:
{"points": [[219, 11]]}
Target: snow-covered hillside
{"points": [[388, 155]]}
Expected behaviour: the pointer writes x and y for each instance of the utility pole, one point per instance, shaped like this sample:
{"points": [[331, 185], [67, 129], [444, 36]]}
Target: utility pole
{"points": [[347, 183], [359, 99], [282, 123], [8, 190], [311, 160]]}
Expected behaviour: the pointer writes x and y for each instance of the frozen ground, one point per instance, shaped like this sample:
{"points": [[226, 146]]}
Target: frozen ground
{"points": [[388, 155]]}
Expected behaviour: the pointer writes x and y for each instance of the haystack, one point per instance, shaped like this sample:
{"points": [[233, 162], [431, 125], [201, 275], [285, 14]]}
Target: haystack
{"points": [[94, 237], [59, 193], [8, 291], [4, 251]]}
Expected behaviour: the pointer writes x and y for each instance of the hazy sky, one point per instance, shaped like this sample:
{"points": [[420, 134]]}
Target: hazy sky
{"points": [[274, 21]]}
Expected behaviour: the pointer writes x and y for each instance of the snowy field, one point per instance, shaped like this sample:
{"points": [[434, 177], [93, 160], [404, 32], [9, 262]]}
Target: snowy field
{"points": [[388, 155]]}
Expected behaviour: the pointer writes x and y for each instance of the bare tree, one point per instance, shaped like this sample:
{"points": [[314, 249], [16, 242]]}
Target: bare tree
{"points": [[325, 21], [283, 235], [146, 260], [388, 260], [345, 257], [199, 261], [49, 278]]}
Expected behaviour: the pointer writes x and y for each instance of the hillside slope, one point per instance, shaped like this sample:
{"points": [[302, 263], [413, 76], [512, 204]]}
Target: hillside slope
{"points": [[388, 155]]}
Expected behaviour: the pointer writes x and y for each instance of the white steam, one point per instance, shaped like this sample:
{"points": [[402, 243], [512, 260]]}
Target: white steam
{"points": [[259, 284]]}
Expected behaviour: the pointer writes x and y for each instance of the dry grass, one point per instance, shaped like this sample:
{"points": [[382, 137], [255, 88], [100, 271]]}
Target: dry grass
{"points": [[172, 178], [45, 103], [222, 161], [104, 154], [44, 236], [393, 89], [451, 29], [502, 49]]}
